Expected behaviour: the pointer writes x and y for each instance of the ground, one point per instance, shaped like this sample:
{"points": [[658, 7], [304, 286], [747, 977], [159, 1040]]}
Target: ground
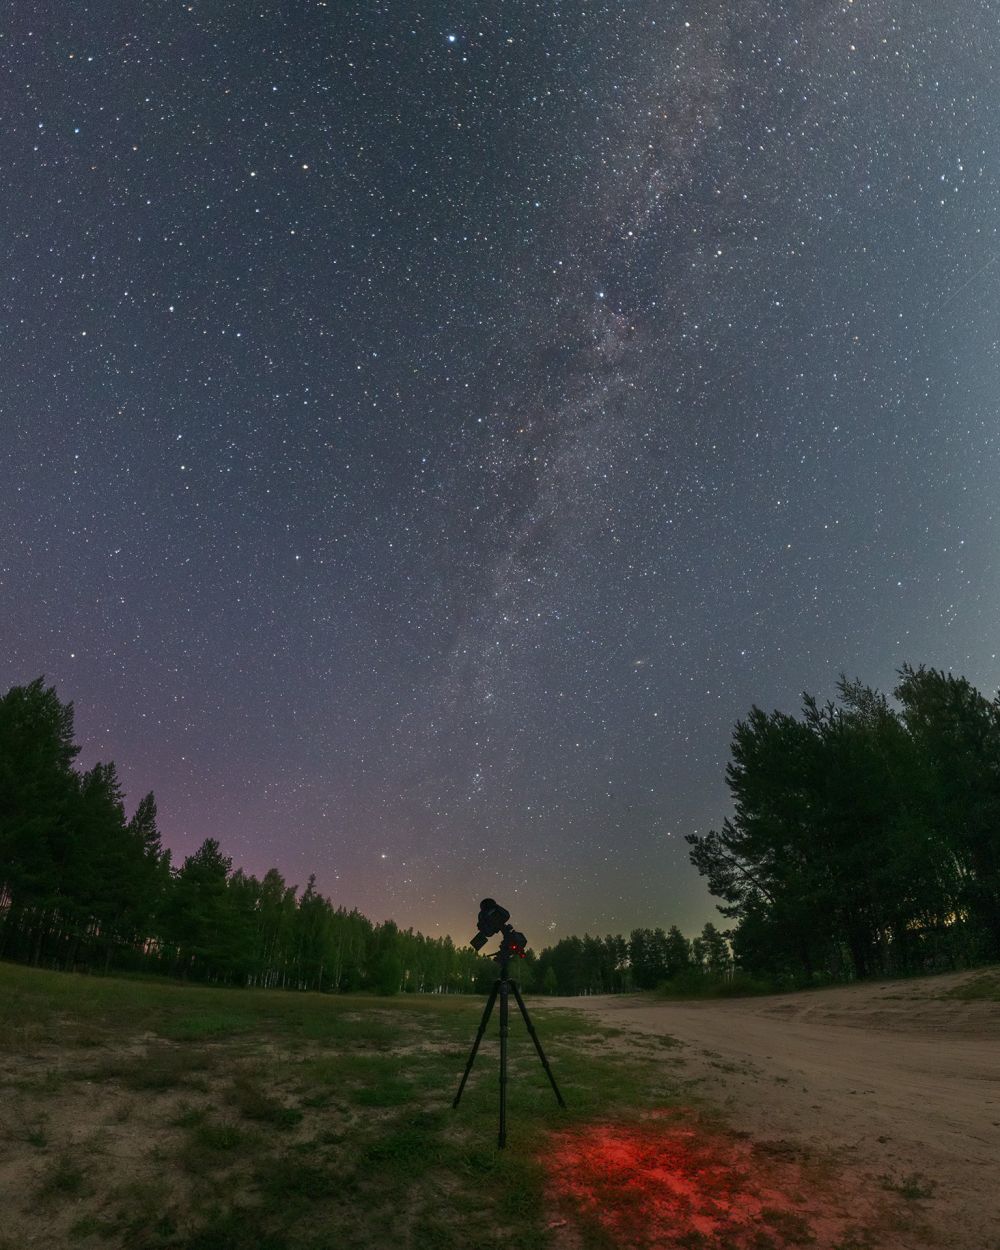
{"points": [[899, 1080], [145, 1115]]}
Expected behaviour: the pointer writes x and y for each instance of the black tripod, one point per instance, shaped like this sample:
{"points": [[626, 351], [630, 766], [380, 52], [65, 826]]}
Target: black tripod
{"points": [[502, 986]]}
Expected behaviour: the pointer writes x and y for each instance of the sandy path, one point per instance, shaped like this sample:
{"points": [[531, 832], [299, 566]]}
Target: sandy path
{"points": [[889, 1076]]}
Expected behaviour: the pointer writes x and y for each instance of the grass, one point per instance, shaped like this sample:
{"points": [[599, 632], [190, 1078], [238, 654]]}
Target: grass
{"points": [[62, 1178], [982, 988], [697, 985], [913, 1187], [178, 1117]]}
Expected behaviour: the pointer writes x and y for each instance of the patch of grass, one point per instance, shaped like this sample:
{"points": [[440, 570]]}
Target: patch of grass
{"points": [[88, 1038], [238, 1228], [30, 1131], [188, 1116], [411, 1141], [319, 1100], [371, 1080], [982, 988], [221, 1136], [391, 1093], [211, 1144], [281, 1179], [140, 1217], [377, 1158], [791, 1226], [123, 1113], [91, 1226], [913, 1187], [205, 1026], [247, 1096], [63, 1179], [857, 1240], [50, 1081], [693, 984], [160, 1068]]}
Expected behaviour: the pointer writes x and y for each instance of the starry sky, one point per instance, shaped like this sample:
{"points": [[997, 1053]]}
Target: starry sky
{"points": [[426, 428]]}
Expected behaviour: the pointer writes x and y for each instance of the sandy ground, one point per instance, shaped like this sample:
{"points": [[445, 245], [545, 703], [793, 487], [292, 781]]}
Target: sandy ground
{"points": [[890, 1077]]}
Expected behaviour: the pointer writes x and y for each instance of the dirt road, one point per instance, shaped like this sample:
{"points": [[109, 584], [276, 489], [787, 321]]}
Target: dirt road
{"points": [[894, 1077]]}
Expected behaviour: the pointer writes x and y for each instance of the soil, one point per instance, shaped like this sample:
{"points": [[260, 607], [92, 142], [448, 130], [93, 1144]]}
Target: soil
{"points": [[893, 1079]]}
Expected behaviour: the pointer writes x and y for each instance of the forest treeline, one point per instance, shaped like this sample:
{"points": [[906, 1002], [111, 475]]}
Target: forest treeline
{"points": [[82, 887], [865, 838], [647, 959]]}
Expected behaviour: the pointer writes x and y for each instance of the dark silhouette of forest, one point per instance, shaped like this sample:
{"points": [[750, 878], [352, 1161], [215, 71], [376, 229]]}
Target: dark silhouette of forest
{"points": [[865, 841], [82, 887], [866, 838], [647, 959]]}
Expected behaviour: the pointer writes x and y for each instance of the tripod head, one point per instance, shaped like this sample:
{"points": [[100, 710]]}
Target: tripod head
{"points": [[496, 919], [512, 947]]}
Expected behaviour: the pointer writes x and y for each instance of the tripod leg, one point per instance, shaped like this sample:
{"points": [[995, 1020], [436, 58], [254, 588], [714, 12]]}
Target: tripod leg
{"points": [[538, 1044], [479, 1037], [504, 1012]]}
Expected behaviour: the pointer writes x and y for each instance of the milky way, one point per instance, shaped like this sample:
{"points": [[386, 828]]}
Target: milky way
{"points": [[429, 428]]}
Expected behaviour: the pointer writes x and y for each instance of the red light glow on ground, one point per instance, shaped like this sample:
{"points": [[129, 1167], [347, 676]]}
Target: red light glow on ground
{"points": [[670, 1182]]}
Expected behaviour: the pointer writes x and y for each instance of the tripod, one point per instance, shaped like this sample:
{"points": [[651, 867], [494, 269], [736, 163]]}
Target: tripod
{"points": [[502, 986]]}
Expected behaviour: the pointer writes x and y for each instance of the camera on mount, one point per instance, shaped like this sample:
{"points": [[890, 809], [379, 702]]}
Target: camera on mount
{"points": [[492, 918], [495, 919]]}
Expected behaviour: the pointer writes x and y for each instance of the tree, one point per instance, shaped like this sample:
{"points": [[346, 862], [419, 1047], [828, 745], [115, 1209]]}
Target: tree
{"points": [[37, 790], [957, 733], [830, 862], [200, 920], [387, 973], [714, 955]]}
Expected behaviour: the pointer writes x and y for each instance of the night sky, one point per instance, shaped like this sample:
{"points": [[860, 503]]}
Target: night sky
{"points": [[426, 428]]}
